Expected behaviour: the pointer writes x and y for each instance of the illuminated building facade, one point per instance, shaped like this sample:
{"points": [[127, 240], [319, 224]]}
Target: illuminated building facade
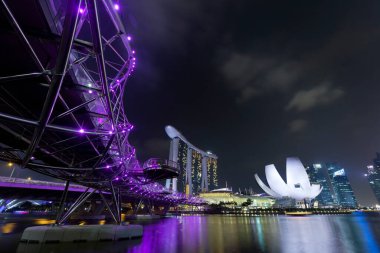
{"points": [[212, 173], [343, 193], [297, 187], [373, 176], [317, 176], [198, 168], [225, 195]]}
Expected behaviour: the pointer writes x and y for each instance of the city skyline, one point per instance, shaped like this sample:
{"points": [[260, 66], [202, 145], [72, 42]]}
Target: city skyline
{"points": [[279, 105], [373, 176], [257, 82], [318, 175]]}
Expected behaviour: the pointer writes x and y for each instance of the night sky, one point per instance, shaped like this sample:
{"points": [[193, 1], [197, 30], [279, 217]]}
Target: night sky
{"points": [[257, 81]]}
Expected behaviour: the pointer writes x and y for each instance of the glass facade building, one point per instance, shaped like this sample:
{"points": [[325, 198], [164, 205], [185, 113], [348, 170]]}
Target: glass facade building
{"points": [[182, 159], [343, 193], [212, 174], [373, 176], [317, 176], [196, 169]]}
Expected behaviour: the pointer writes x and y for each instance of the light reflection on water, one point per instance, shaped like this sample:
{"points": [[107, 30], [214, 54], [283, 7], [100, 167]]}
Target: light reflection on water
{"points": [[321, 234]]}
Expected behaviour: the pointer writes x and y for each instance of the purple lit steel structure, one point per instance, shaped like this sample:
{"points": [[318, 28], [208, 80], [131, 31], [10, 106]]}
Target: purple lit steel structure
{"points": [[62, 111]]}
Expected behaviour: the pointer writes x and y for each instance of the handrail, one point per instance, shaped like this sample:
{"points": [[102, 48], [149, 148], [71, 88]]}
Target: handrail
{"points": [[36, 182], [157, 162]]}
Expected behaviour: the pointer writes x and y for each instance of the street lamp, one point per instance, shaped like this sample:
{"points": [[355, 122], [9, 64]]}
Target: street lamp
{"points": [[10, 164]]}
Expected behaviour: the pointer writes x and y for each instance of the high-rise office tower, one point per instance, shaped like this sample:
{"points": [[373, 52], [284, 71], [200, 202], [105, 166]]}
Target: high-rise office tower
{"points": [[373, 176], [181, 161], [343, 193], [318, 176], [198, 168], [196, 171], [212, 173]]}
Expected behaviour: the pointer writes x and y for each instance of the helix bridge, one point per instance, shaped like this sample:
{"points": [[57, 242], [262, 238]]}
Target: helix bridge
{"points": [[64, 70]]}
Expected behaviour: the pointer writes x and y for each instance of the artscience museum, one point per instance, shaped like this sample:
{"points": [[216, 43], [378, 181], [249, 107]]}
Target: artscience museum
{"points": [[297, 184]]}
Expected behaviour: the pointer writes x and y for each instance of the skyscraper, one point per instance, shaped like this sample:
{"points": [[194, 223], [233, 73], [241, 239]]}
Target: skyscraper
{"points": [[373, 176], [343, 194], [212, 174], [196, 171], [188, 156], [182, 159], [317, 176]]}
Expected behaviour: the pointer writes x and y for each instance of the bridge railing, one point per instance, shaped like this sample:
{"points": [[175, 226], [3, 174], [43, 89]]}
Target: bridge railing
{"points": [[37, 182], [157, 163]]}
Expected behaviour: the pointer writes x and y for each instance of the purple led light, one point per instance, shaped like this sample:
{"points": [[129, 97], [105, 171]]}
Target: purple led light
{"points": [[133, 51], [107, 166], [81, 10], [81, 130], [129, 38], [116, 7]]}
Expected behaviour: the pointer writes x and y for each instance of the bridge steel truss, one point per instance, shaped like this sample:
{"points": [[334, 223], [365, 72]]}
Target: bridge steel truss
{"points": [[61, 109], [86, 149]]}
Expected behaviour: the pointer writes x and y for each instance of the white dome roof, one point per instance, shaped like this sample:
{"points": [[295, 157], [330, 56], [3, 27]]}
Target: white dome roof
{"points": [[298, 185]]}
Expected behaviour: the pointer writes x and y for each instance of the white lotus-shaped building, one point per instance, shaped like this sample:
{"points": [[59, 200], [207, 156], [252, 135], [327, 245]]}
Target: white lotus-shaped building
{"points": [[298, 185]]}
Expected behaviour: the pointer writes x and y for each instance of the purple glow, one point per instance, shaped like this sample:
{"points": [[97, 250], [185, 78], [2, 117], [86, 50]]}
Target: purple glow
{"points": [[107, 166], [116, 7], [81, 10], [52, 186], [110, 132], [81, 130], [133, 51], [129, 38], [90, 91]]}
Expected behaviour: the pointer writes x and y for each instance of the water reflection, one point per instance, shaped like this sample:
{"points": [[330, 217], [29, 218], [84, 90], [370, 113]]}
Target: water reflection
{"points": [[339, 233]]}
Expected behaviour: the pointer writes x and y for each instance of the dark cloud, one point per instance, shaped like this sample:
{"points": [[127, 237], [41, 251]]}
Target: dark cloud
{"points": [[322, 94], [251, 75]]}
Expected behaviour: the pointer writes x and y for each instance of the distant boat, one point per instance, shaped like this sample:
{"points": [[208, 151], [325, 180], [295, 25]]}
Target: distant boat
{"points": [[302, 213]]}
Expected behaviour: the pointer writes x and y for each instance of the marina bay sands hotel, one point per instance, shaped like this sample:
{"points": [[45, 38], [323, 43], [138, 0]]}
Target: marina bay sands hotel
{"points": [[198, 167]]}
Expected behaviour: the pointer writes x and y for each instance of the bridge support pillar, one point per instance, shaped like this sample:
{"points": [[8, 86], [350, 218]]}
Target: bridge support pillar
{"points": [[62, 202]]}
